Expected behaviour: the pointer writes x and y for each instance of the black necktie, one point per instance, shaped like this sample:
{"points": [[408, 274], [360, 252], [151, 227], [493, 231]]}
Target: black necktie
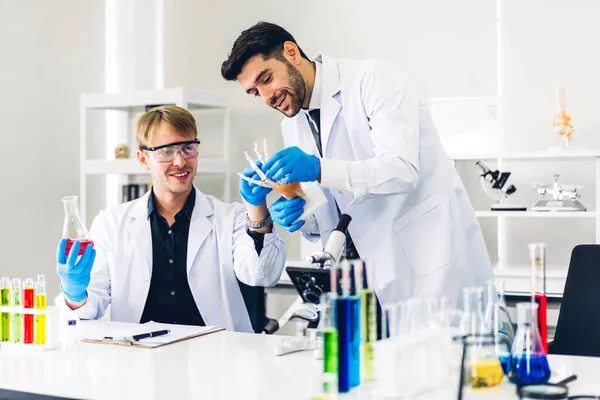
{"points": [[315, 116], [315, 126]]}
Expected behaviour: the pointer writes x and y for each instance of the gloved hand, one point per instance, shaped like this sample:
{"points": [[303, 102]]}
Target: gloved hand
{"points": [[253, 194], [291, 165], [285, 212], [74, 275]]}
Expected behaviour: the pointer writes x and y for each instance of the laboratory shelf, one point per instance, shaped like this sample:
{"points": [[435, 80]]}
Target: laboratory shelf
{"points": [[127, 101], [130, 105], [530, 155], [517, 278], [537, 214]]}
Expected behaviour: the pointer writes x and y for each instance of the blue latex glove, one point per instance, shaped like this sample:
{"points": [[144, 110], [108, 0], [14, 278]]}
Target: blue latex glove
{"points": [[74, 275], [293, 165], [285, 212], [253, 194]]}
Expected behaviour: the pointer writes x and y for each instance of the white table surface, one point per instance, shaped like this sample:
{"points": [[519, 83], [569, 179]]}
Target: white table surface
{"points": [[222, 365]]}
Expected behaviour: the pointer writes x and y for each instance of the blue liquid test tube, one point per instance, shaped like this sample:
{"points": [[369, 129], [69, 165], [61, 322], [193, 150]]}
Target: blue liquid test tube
{"points": [[355, 336]]}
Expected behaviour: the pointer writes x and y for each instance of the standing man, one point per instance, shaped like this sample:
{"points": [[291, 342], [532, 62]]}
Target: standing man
{"points": [[175, 255], [359, 128]]}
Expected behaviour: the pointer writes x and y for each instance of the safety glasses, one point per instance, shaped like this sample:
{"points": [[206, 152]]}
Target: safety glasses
{"points": [[168, 152]]}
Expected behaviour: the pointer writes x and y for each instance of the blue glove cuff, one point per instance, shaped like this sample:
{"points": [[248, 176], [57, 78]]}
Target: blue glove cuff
{"points": [[77, 298]]}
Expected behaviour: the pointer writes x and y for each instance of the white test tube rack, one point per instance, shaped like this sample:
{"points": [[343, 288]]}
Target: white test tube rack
{"points": [[52, 329]]}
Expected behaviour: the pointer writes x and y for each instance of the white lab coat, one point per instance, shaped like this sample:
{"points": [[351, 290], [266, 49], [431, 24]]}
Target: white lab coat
{"points": [[219, 249], [384, 165]]}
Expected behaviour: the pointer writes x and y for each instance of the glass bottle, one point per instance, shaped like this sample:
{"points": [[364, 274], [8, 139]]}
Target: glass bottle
{"points": [[73, 228], [529, 364]]}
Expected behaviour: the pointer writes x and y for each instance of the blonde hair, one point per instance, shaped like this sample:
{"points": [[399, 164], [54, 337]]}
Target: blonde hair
{"points": [[177, 118]]}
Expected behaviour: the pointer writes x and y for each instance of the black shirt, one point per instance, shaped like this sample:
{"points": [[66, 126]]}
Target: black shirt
{"points": [[170, 299]]}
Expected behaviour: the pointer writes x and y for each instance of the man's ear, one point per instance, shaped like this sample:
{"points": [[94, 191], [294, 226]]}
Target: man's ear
{"points": [[143, 160], [292, 53]]}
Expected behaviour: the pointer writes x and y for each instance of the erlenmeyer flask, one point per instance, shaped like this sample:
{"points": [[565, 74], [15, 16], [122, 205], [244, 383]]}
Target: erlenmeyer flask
{"points": [[73, 228], [529, 364]]}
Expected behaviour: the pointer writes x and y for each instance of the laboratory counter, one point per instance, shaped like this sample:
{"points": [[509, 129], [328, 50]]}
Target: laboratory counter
{"points": [[223, 365]]}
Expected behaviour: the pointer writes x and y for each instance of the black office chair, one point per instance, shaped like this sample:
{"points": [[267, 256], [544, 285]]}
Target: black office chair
{"points": [[255, 300], [578, 327]]}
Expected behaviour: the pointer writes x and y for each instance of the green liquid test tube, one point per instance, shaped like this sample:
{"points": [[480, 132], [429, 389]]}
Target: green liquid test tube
{"points": [[368, 321], [5, 316], [16, 322]]}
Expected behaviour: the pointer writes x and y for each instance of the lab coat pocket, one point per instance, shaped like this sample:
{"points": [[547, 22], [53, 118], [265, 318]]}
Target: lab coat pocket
{"points": [[426, 234]]}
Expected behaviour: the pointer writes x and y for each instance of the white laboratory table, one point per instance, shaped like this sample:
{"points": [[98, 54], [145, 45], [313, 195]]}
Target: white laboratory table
{"points": [[222, 365]]}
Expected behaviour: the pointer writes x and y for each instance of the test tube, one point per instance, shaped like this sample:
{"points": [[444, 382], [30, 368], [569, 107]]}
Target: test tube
{"points": [[16, 321], [368, 321], [355, 346], [330, 338], [344, 324], [40, 304], [537, 260], [28, 302], [5, 290]]}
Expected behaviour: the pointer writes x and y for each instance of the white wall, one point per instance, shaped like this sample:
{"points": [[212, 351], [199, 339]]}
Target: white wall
{"points": [[450, 52], [50, 52]]}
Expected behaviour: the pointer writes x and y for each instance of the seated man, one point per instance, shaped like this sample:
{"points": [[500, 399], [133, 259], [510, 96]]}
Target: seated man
{"points": [[175, 255]]}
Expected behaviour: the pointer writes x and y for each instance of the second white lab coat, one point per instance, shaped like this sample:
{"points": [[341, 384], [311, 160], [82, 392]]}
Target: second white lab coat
{"points": [[384, 165], [219, 250]]}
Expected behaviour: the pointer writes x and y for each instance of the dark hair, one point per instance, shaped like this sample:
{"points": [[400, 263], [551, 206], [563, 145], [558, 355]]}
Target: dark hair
{"points": [[264, 38]]}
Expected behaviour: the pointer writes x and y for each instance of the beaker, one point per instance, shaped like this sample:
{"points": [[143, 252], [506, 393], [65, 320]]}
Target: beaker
{"points": [[484, 367], [473, 322], [73, 228], [529, 364]]}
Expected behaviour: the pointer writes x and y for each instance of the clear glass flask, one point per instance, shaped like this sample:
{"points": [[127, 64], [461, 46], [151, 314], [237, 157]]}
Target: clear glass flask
{"points": [[73, 228], [529, 364]]}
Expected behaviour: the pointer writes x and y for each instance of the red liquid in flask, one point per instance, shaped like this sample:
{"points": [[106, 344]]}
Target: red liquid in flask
{"points": [[542, 317], [28, 302], [82, 242]]}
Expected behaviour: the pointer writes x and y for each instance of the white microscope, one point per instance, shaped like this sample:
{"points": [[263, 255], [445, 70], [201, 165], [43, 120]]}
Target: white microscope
{"points": [[310, 283]]}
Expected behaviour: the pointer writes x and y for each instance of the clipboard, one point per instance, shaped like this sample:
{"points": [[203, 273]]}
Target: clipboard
{"points": [[178, 333]]}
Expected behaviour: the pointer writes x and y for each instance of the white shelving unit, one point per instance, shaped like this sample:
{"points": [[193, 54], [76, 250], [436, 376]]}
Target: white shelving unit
{"points": [[135, 102], [517, 277]]}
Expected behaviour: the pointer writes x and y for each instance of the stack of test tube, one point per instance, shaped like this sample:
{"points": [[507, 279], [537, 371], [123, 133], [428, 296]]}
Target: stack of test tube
{"points": [[24, 318], [348, 329]]}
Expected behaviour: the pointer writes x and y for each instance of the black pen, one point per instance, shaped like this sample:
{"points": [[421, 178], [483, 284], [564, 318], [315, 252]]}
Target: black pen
{"points": [[144, 335]]}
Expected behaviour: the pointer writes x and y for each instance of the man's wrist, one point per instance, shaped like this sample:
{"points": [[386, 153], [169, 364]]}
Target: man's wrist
{"points": [[74, 305], [259, 224], [257, 216]]}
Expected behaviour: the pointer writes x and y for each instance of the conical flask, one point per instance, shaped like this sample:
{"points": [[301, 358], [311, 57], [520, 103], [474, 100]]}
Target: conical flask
{"points": [[529, 364], [73, 228]]}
